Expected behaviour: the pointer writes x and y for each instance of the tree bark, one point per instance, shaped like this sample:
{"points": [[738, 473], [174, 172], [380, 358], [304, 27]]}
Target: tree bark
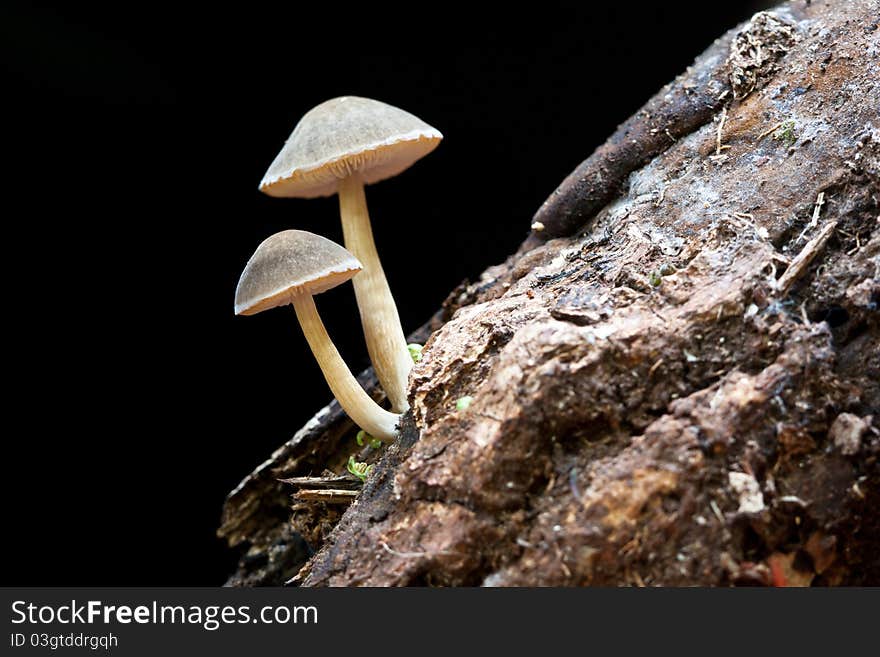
{"points": [[675, 382]]}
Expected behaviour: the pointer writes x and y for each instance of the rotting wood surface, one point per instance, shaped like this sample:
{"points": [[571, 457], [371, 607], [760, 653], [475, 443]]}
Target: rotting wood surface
{"points": [[676, 382]]}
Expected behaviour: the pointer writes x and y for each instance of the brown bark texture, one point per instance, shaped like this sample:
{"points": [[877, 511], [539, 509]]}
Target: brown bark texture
{"points": [[676, 381]]}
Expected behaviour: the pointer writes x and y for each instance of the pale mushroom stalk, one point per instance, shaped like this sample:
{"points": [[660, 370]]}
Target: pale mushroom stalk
{"points": [[338, 147], [366, 413], [289, 268], [386, 342]]}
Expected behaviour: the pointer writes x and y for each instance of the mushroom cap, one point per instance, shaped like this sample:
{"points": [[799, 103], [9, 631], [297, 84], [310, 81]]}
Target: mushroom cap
{"points": [[343, 136], [289, 263]]}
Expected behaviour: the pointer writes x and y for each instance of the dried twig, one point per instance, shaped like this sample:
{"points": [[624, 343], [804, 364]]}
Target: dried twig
{"points": [[332, 481], [414, 555], [820, 201], [772, 129], [654, 367], [778, 257], [329, 496], [803, 259], [718, 146], [858, 245]]}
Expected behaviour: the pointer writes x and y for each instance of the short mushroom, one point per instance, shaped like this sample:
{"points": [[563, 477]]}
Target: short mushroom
{"points": [[290, 267], [338, 147]]}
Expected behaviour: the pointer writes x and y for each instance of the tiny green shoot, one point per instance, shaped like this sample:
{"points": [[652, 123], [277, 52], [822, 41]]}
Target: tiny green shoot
{"points": [[415, 351], [359, 469], [363, 437], [666, 269], [463, 403]]}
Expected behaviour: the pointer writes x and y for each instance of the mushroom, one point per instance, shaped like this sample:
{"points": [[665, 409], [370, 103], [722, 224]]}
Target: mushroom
{"points": [[338, 147], [290, 267]]}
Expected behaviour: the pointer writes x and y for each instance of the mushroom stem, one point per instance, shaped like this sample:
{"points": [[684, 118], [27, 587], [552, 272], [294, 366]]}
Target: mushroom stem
{"points": [[386, 343], [366, 413]]}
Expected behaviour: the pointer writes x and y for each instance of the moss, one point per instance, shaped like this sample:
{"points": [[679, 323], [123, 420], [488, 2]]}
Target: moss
{"points": [[786, 133]]}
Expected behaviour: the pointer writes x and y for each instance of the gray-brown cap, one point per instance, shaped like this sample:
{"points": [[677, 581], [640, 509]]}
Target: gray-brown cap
{"points": [[343, 136], [288, 263]]}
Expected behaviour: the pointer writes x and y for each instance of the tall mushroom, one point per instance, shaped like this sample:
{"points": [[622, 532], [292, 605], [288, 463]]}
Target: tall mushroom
{"points": [[290, 267], [338, 147]]}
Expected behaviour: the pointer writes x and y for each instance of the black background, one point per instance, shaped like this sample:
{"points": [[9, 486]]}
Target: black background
{"points": [[134, 141]]}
